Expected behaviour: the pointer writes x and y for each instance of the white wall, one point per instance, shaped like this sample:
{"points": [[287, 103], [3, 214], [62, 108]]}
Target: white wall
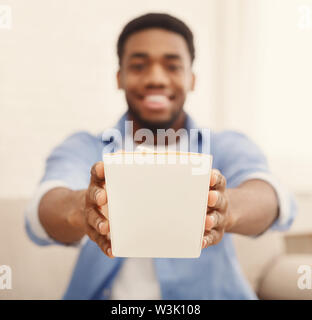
{"points": [[284, 109], [265, 87], [58, 65], [57, 76]]}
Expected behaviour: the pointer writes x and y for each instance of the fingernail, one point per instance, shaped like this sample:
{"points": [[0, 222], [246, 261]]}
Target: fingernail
{"points": [[217, 196], [101, 226], [205, 243], [216, 177], [208, 239], [212, 218], [109, 236], [109, 251], [97, 192], [101, 209]]}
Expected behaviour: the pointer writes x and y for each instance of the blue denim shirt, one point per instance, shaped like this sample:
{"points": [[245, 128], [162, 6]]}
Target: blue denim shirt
{"points": [[216, 274]]}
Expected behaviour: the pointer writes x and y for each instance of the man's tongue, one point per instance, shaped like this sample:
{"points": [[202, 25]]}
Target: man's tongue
{"points": [[156, 102]]}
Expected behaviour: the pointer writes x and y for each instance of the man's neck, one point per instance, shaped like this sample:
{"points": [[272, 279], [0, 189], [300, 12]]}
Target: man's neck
{"points": [[176, 125]]}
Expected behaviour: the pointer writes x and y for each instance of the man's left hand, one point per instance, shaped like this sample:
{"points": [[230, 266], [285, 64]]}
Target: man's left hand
{"points": [[218, 216]]}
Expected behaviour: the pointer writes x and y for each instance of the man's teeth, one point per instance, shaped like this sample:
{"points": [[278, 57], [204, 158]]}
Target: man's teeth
{"points": [[156, 98]]}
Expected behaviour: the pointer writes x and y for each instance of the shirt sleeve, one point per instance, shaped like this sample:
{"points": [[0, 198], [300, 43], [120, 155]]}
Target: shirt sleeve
{"points": [[69, 166], [239, 159]]}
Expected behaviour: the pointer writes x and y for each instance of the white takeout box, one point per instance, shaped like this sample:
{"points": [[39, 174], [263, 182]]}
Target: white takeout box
{"points": [[157, 202]]}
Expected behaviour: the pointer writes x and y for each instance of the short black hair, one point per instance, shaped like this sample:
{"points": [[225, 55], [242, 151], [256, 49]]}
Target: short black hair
{"points": [[156, 20]]}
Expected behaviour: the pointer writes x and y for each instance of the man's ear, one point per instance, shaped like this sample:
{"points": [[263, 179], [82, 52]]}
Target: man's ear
{"points": [[119, 82], [193, 80]]}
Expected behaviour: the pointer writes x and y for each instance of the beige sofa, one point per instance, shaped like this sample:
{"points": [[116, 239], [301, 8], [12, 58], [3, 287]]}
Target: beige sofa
{"points": [[43, 272]]}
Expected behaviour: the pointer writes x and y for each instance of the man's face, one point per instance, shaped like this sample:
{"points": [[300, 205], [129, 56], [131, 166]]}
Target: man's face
{"points": [[156, 75]]}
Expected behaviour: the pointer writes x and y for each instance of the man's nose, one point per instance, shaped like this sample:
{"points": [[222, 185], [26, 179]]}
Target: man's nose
{"points": [[156, 76]]}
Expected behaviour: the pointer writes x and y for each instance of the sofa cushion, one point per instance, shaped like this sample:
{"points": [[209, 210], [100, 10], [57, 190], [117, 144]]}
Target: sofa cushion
{"points": [[281, 279]]}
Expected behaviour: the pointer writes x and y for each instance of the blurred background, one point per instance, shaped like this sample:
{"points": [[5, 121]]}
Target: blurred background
{"points": [[58, 67]]}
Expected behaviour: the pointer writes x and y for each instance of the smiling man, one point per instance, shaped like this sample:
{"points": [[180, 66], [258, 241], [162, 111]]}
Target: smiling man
{"points": [[156, 74], [156, 53]]}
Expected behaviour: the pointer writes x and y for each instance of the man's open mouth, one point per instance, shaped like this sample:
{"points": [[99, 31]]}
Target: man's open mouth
{"points": [[157, 101]]}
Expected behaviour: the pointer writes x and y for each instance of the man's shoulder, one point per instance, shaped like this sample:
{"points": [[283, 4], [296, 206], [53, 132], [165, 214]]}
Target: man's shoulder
{"points": [[230, 144], [79, 142], [82, 137], [228, 134], [227, 138], [235, 149], [81, 145]]}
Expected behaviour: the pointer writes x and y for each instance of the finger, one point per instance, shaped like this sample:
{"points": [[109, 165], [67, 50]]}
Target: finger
{"points": [[216, 200], [106, 246], [217, 180], [213, 197], [104, 211], [97, 221], [97, 174], [97, 195], [214, 220], [214, 177], [102, 241], [211, 237], [92, 234]]}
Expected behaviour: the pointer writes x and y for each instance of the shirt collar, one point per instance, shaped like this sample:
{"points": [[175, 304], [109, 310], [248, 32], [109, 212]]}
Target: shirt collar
{"points": [[195, 134]]}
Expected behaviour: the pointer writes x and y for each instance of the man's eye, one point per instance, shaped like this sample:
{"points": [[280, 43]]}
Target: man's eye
{"points": [[137, 66], [174, 67]]}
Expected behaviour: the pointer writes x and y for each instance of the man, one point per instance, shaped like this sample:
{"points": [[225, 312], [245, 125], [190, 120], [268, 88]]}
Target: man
{"points": [[156, 52]]}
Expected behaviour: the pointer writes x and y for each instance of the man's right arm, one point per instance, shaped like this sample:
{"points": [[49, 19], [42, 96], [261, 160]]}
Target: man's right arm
{"points": [[61, 214], [68, 215]]}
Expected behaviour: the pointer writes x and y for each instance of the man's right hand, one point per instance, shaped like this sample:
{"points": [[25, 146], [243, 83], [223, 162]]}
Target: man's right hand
{"points": [[96, 210]]}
